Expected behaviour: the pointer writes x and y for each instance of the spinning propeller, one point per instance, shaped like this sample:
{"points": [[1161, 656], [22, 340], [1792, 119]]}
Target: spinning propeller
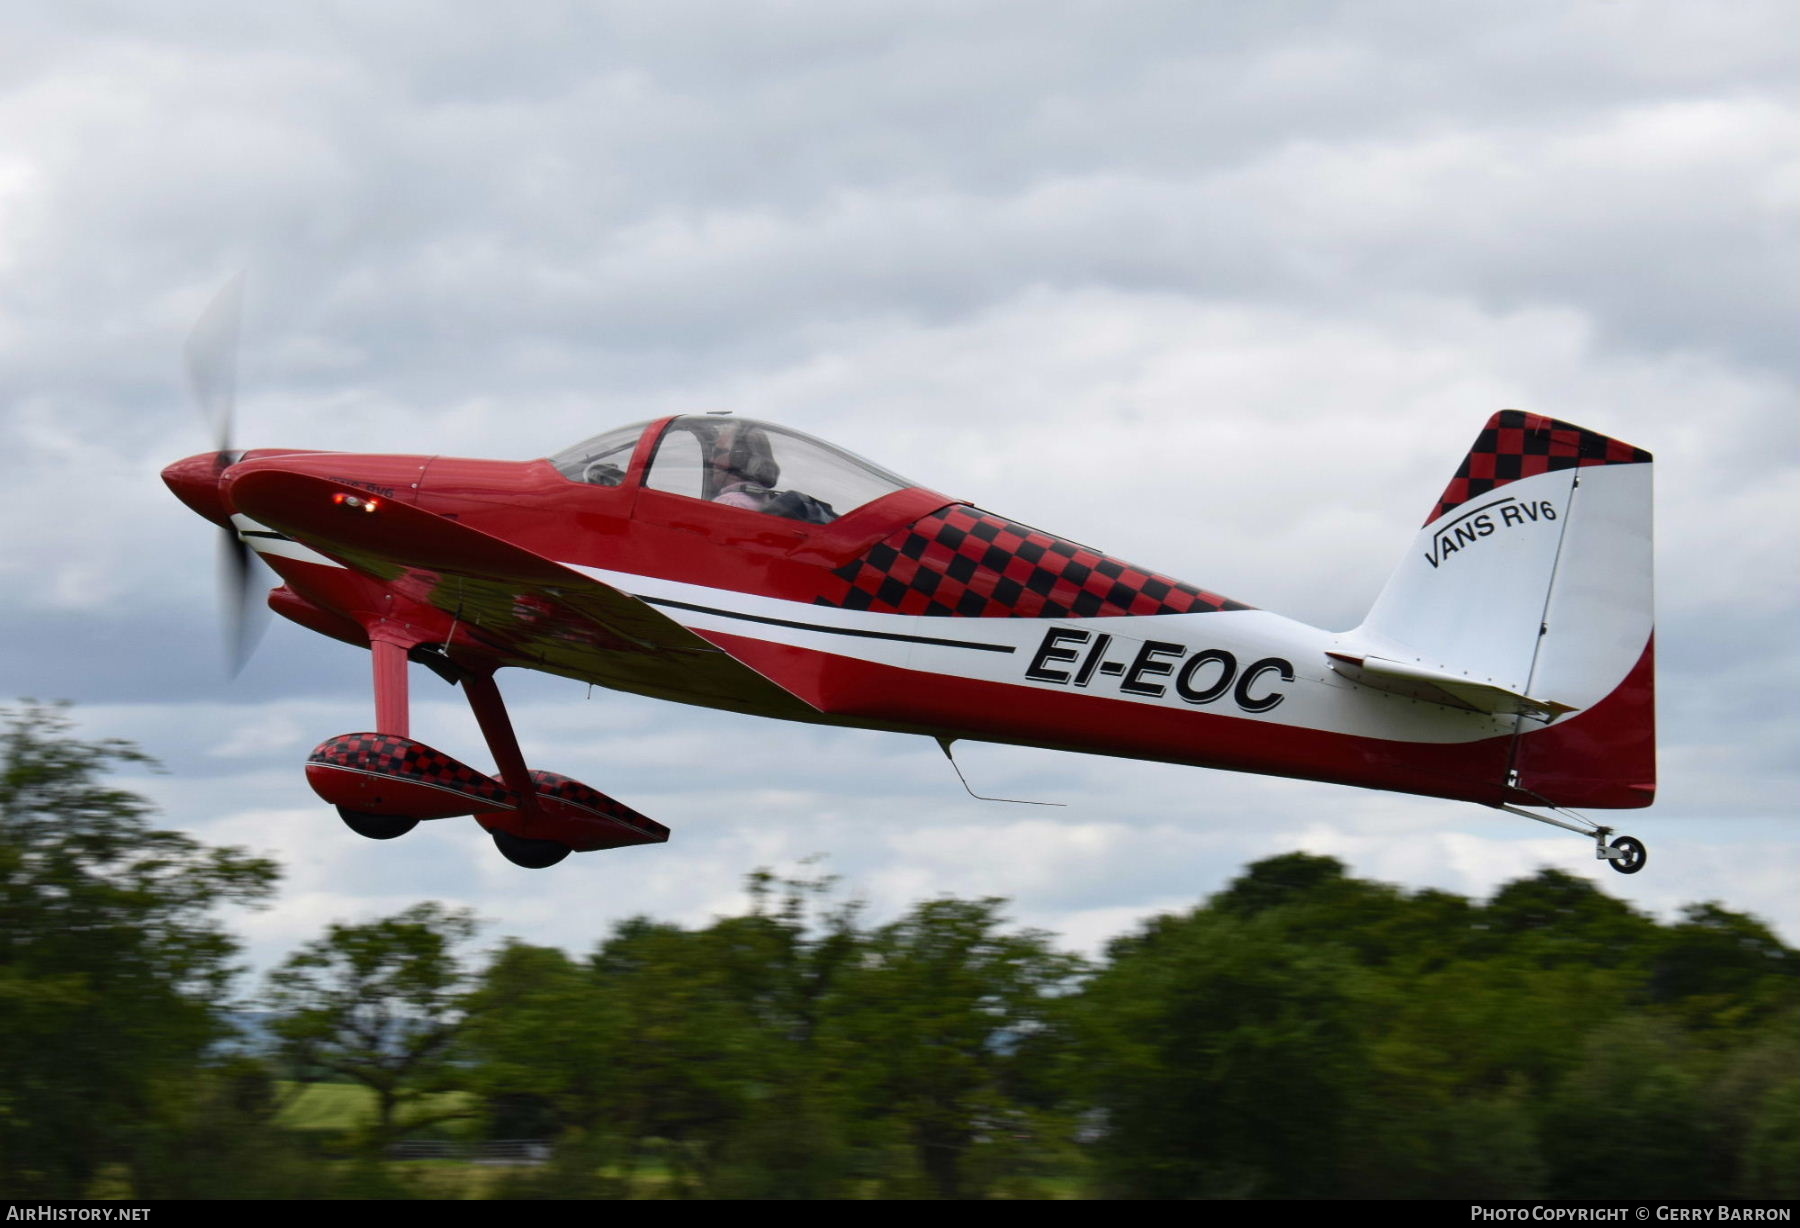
{"points": [[212, 377]]}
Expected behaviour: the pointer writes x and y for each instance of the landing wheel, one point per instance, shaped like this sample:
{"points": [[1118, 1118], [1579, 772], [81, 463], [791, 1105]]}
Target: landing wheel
{"points": [[1634, 857], [532, 854], [376, 826]]}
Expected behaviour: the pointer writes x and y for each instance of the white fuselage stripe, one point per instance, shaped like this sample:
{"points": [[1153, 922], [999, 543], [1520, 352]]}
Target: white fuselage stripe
{"points": [[1012, 651], [264, 540]]}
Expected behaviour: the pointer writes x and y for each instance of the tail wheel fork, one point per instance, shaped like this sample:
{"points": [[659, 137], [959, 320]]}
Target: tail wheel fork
{"points": [[1627, 854]]}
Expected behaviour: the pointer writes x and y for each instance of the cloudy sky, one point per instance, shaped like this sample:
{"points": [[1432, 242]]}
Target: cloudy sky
{"points": [[1222, 288]]}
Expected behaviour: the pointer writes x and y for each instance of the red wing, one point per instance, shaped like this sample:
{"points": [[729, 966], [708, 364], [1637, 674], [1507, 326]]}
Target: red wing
{"points": [[531, 611]]}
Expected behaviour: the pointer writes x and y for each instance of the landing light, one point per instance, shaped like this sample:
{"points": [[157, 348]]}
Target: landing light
{"points": [[345, 499]]}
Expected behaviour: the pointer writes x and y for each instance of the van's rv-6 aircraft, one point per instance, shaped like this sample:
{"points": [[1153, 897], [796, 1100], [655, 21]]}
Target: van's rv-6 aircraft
{"points": [[740, 565]]}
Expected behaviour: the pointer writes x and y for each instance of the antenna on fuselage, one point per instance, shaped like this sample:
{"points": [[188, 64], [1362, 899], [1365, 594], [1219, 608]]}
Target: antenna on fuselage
{"points": [[944, 745]]}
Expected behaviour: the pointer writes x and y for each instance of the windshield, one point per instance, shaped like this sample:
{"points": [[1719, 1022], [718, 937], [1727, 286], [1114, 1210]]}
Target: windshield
{"points": [[739, 462], [602, 460]]}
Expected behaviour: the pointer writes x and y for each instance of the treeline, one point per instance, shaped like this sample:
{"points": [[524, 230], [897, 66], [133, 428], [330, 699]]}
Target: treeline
{"points": [[1303, 1033]]}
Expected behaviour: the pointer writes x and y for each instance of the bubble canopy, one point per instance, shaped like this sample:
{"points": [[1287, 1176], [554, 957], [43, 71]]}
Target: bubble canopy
{"points": [[737, 462]]}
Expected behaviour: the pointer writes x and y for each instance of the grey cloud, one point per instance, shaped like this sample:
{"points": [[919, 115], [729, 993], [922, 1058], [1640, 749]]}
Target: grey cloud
{"points": [[652, 180]]}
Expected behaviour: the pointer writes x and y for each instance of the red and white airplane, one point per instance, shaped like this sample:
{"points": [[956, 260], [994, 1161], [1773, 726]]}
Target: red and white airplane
{"points": [[741, 565]]}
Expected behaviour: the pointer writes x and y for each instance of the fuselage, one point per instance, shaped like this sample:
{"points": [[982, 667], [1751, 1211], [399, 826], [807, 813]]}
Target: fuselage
{"points": [[913, 611]]}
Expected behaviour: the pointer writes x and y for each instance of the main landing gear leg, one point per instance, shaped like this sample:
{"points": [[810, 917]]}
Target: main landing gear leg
{"points": [[503, 744], [392, 714], [1626, 854], [384, 783], [392, 707]]}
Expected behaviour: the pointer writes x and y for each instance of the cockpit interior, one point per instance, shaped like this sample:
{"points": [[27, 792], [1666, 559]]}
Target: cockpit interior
{"points": [[736, 462]]}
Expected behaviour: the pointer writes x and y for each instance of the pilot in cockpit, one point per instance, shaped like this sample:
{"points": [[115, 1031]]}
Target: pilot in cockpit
{"points": [[744, 471], [740, 464]]}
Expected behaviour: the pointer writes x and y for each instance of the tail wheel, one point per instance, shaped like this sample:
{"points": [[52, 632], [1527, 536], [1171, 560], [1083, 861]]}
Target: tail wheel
{"points": [[1634, 857], [532, 854], [376, 826]]}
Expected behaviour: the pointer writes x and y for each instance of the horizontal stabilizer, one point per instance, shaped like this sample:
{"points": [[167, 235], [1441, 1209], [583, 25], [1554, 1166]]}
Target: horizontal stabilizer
{"points": [[1442, 687]]}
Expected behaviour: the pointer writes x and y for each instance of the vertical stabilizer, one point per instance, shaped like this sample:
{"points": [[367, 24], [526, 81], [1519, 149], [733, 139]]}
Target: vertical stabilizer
{"points": [[1533, 575]]}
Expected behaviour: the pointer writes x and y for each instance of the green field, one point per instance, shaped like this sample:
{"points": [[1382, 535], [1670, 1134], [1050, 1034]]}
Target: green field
{"points": [[345, 1107]]}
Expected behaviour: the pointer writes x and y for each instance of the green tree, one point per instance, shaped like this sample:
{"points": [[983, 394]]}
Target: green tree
{"points": [[693, 1051], [1316, 902], [942, 1036], [384, 1005], [690, 1051], [1224, 1058], [1769, 1157], [114, 969], [544, 1042], [1556, 918], [1636, 1104], [1309, 1033], [1721, 969], [217, 1136], [787, 1052], [1291, 878], [780, 963], [1755, 1097]]}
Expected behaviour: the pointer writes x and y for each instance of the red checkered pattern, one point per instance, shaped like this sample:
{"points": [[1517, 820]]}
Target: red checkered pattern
{"points": [[404, 759], [1515, 445], [966, 563], [573, 791]]}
